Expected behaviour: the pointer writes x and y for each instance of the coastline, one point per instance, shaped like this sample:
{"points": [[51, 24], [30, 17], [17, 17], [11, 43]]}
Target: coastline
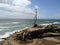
{"points": [[8, 35], [14, 38]]}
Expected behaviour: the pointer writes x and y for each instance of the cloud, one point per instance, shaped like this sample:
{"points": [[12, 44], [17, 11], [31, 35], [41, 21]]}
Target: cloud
{"points": [[7, 1], [36, 6], [15, 9], [16, 2], [21, 2]]}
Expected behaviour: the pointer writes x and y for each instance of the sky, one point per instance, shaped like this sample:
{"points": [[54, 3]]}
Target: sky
{"points": [[25, 9]]}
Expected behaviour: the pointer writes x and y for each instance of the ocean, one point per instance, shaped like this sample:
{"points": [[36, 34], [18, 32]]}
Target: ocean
{"points": [[9, 26]]}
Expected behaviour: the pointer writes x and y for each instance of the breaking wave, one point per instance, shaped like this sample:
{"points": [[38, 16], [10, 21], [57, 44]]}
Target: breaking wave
{"points": [[7, 34], [56, 22], [9, 23]]}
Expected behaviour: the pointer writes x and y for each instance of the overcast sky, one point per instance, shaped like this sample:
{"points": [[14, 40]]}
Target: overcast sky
{"points": [[47, 9]]}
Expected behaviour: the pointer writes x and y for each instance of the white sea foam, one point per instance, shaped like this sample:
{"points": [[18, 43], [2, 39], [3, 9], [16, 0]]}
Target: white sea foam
{"points": [[4, 23], [1, 39], [51, 23], [56, 23], [4, 27], [46, 24], [7, 34], [8, 23], [15, 22], [1, 29]]}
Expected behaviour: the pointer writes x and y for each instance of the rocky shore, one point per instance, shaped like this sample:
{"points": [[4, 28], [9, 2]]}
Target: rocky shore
{"points": [[40, 35]]}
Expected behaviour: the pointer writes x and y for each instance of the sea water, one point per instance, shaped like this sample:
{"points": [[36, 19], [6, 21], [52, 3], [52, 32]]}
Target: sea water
{"points": [[9, 26]]}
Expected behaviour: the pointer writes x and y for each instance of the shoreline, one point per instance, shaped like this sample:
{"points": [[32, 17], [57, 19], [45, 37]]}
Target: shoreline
{"points": [[8, 35], [31, 34]]}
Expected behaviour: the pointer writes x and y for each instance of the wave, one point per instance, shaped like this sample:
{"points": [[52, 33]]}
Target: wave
{"points": [[7, 34], [1, 29], [47, 21], [56, 22], [4, 27], [4, 23], [8, 23], [1, 39], [46, 24], [15, 22]]}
